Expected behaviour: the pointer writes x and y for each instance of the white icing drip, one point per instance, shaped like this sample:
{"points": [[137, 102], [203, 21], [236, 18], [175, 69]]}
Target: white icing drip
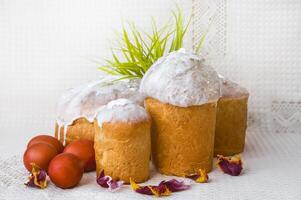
{"points": [[84, 101], [64, 135], [121, 110], [231, 89], [59, 132], [181, 79]]}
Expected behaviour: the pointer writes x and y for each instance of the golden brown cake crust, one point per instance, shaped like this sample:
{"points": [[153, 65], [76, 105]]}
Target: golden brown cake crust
{"points": [[231, 124], [122, 150], [79, 129], [182, 138]]}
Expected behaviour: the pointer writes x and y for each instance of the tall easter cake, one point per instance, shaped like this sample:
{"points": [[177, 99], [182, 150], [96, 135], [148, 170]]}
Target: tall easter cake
{"points": [[181, 97], [231, 119]]}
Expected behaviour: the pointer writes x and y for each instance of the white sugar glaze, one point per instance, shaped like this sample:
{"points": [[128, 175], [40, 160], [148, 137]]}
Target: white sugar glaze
{"points": [[232, 89], [181, 79], [85, 100], [121, 110]]}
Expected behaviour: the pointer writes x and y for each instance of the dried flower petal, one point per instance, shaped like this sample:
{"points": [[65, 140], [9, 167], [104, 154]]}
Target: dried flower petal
{"points": [[200, 177], [160, 190], [108, 182], [174, 185], [140, 189], [231, 165], [103, 180], [37, 178]]}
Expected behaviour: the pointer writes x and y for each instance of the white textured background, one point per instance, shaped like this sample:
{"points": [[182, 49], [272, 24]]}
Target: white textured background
{"points": [[264, 46], [257, 43], [46, 47]]}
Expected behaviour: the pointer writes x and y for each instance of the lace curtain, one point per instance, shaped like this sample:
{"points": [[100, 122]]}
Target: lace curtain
{"points": [[257, 44]]}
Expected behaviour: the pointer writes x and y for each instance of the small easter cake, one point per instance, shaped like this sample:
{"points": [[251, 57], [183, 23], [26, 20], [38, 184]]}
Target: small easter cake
{"points": [[77, 107], [181, 98], [122, 141]]}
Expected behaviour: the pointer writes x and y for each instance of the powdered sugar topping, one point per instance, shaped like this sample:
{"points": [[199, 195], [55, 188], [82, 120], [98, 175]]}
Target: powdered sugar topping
{"points": [[85, 100], [181, 79], [232, 89], [121, 110]]}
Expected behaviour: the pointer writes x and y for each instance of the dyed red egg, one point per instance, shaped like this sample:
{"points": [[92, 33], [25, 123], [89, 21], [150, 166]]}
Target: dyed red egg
{"points": [[47, 139], [65, 170], [40, 154], [84, 150]]}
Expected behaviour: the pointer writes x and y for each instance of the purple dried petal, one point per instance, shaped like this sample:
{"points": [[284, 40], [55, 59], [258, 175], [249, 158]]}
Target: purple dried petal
{"points": [[30, 182], [144, 190], [103, 180], [160, 190], [157, 190], [108, 182], [230, 165], [42, 175], [193, 176], [174, 185], [200, 177], [37, 178], [114, 185]]}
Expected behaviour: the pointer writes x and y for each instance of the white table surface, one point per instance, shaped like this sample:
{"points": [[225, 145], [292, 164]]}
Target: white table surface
{"points": [[272, 170]]}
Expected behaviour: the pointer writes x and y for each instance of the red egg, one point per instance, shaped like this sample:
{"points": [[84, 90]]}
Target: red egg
{"points": [[84, 150], [65, 170], [41, 154], [47, 139]]}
